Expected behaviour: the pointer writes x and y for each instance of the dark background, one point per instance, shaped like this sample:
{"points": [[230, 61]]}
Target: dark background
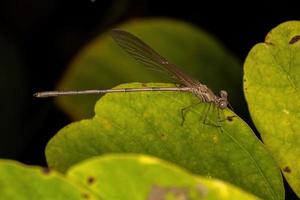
{"points": [[38, 38]]}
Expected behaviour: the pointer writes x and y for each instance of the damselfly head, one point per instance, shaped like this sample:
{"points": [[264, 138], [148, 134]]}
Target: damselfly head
{"points": [[222, 101]]}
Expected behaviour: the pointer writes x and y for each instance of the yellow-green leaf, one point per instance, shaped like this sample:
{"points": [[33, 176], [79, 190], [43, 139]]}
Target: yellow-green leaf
{"points": [[150, 123], [271, 85], [139, 177], [21, 182]]}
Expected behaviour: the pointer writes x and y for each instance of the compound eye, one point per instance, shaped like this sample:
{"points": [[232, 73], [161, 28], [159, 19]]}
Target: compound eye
{"points": [[223, 94], [223, 104]]}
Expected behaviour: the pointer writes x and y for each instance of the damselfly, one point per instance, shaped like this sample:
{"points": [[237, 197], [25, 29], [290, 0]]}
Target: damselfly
{"points": [[148, 56]]}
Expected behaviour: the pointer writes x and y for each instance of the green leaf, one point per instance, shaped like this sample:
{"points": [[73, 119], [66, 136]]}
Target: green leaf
{"points": [[138, 177], [150, 123], [103, 64], [18, 181], [271, 85], [112, 177]]}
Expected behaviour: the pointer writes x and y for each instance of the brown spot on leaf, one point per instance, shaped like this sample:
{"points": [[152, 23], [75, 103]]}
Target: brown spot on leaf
{"points": [[287, 169], [294, 39], [46, 170], [90, 180], [269, 43], [230, 118], [157, 193], [179, 193], [163, 136], [202, 190], [144, 85], [160, 193], [85, 196]]}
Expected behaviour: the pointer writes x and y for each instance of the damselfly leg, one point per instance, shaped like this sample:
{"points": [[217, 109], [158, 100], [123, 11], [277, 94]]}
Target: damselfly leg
{"points": [[209, 114], [186, 109]]}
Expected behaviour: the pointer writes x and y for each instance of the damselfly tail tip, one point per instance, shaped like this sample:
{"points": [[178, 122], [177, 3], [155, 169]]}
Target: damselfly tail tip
{"points": [[39, 95]]}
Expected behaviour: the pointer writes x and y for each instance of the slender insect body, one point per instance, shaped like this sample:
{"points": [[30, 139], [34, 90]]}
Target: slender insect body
{"points": [[146, 55]]}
